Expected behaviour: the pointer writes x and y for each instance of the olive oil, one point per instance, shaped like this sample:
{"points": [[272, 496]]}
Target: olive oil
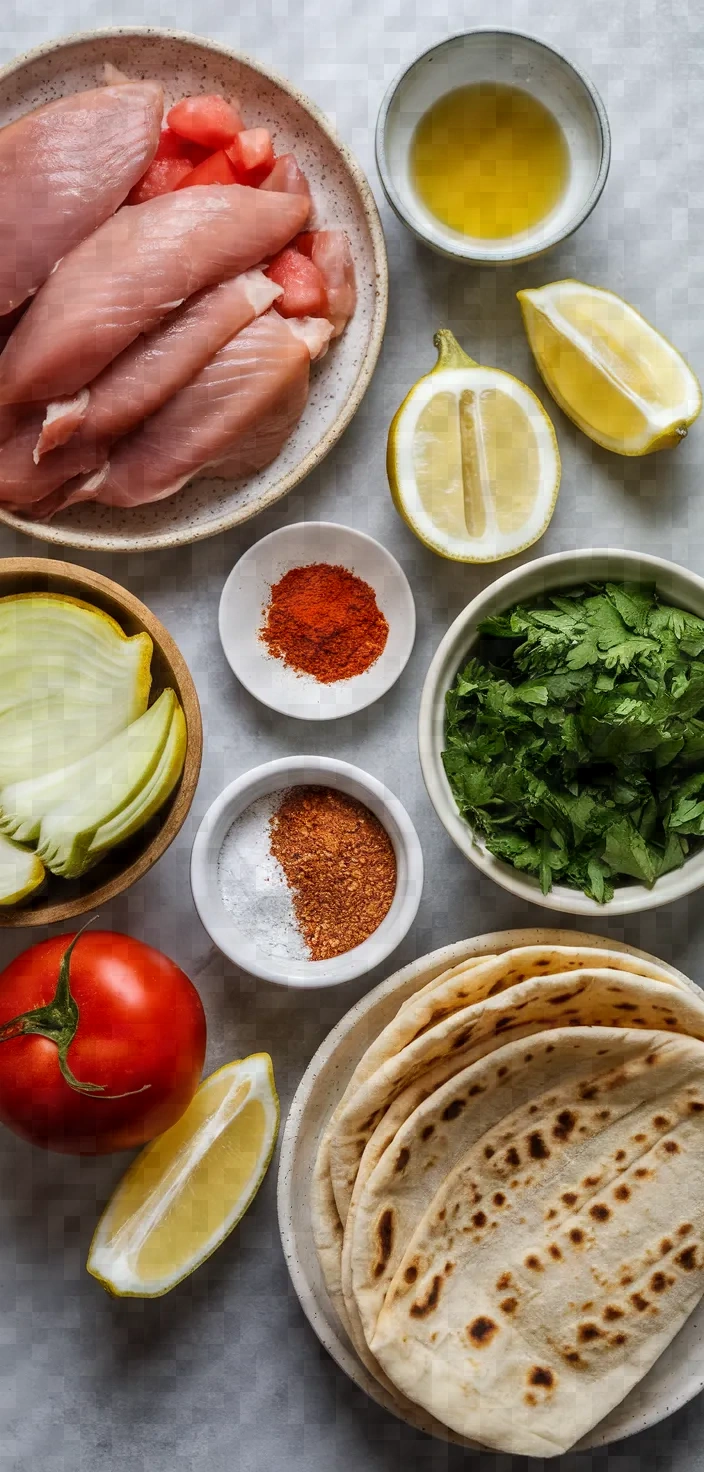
{"points": [[489, 160]]}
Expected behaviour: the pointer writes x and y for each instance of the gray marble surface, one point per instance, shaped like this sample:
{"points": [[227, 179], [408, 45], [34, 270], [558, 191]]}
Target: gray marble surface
{"points": [[225, 1373]]}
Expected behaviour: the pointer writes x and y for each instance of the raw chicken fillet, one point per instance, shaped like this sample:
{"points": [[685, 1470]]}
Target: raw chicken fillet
{"points": [[134, 386], [241, 408], [64, 170], [131, 273]]}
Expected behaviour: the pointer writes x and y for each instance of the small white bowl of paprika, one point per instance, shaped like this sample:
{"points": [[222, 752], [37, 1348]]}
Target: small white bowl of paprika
{"points": [[307, 871], [317, 620]]}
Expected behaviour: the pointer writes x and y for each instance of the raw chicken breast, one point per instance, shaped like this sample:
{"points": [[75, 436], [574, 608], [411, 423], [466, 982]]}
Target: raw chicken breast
{"points": [[242, 407], [21, 480], [267, 436], [10, 417], [135, 385], [131, 273], [154, 367], [64, 169]]}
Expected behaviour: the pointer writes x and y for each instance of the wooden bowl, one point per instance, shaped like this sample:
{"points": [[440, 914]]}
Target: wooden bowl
{"points": [[64, 899], [341, 196]]}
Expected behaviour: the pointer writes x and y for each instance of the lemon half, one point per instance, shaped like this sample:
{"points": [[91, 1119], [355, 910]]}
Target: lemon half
{"points": [[472, 460], [189, 1187], [613, 374]]}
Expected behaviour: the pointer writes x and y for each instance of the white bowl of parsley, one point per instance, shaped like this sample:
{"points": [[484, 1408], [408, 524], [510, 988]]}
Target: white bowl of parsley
{"points": [[561, 732]]}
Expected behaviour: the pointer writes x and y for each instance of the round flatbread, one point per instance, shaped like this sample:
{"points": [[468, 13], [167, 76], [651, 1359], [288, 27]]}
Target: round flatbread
{"points": [[389, 1202], [560, 1256], [470, 983], [591, 998], [412, 1018]]}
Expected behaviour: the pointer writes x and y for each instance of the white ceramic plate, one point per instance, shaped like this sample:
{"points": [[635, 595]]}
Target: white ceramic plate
{"points": [[275, 777], [679, 1373], [246, 595], [676, 585], [341, 195]]}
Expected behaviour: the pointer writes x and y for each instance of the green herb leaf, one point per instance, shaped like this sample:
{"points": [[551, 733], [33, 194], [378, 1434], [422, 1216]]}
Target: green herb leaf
{"points": [[575, 737]]}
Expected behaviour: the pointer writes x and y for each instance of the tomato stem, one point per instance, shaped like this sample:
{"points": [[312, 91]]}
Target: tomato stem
{"points": [[58, 1021]]}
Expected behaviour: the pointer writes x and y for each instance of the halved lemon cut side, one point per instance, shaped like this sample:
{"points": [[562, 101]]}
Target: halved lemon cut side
{"points": [[190, 1186], [472, 460], [614, 375]]}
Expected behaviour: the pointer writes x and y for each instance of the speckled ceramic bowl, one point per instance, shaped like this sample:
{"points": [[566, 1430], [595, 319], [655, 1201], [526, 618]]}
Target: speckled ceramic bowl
{"points": [[341, 194]]}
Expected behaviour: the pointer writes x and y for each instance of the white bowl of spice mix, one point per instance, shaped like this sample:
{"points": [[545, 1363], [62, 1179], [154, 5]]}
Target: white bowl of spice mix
{"points": [[492, 147], [307, 872], [317, 620]]}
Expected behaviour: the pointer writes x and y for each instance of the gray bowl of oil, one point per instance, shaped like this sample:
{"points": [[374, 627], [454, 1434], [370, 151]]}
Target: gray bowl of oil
{"points": [[492, 147]]}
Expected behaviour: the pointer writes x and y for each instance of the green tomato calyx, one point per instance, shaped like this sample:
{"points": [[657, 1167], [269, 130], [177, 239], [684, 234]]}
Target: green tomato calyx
{"points": [[58, 1021]]}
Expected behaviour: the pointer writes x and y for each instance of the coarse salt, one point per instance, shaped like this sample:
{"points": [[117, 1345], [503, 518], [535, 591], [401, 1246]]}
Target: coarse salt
{"points": [[253, 885]]}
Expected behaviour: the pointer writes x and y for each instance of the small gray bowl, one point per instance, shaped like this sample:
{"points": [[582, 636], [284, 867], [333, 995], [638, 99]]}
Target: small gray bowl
{"points": [[520, 61]]}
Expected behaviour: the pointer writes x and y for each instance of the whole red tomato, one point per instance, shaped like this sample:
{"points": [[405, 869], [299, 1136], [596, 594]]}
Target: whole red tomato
{"points": [[102, 1042]]}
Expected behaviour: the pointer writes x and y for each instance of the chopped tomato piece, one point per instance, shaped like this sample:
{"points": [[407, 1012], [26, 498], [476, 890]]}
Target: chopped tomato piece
{"points": [[172, 145], [302, 282], [216, 169], [330, 251], [208, 120], [162, 176], [252, 154]]}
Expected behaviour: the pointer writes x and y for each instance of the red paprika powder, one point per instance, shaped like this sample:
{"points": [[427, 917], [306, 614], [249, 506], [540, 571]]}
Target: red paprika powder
{"points": [[324, 621]]}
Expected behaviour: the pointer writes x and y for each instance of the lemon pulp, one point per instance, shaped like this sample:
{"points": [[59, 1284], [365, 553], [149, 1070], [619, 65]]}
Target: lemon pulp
{"points": [[472, 449], [489, 160], [615, 376], [472, 459], [191, 1185]]}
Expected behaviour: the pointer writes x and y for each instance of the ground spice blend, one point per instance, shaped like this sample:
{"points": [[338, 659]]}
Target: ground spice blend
{"points": [[324, 621], [340, 866]]}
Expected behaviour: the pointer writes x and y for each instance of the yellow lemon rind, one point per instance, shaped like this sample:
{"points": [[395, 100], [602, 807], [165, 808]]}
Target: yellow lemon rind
{"points": [[666, 438], [452, 356], [166, 1287]]}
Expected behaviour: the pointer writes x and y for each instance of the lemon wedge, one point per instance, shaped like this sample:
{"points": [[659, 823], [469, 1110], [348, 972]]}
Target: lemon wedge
{"points": [[189, 1187], [472, 460], [613, 374]]}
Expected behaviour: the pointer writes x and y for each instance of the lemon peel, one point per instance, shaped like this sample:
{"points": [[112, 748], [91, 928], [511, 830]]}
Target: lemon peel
{"points": [[613, 374], [472, 459]]}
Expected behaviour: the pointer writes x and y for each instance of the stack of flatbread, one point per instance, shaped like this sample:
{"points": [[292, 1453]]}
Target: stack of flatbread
{"points": [[508, 1201]]}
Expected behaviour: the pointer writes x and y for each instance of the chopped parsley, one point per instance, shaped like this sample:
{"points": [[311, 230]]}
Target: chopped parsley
{"points": [[574, 738]]}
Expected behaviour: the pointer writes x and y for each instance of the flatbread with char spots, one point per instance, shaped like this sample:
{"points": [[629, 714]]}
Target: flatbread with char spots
{"points": [[593, 998], [474, 982], [560, 1256], [390, 1199], [468, 982]]}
